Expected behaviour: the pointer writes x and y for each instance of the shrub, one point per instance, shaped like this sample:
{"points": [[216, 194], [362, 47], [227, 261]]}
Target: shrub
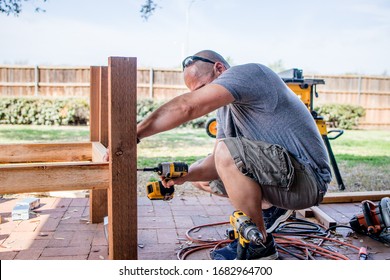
{"points": [[145, 107], [343, 116], [39, 111], [69, 111]]}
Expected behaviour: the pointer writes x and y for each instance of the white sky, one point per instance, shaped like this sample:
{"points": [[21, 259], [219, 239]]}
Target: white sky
{"points": [[326, 37]]}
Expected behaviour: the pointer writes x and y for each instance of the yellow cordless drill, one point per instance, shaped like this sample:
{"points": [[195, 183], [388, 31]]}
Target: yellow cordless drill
{"points": [[169, 170], [246, 231]]}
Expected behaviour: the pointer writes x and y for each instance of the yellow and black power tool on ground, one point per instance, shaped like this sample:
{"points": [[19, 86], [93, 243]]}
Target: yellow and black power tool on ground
{"points": [[246, 231], [169, 170], [374, 218]]}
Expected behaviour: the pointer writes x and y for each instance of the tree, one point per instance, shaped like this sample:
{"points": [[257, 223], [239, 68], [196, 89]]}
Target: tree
{"points": [[15, 7], [148, 8]]}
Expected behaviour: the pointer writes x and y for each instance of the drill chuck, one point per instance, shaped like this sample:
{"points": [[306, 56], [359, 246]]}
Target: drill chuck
{"points": [[252, 233]]}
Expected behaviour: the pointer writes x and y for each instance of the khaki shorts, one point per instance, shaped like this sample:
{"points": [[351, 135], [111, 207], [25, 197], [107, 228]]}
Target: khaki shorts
{"points": [[284, 181]]}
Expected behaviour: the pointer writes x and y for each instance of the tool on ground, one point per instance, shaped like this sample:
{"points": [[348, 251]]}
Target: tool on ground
{"points": [[246, 231], [22, 209], [363, 253], [305, 89], [374, 217], [168, 170]]}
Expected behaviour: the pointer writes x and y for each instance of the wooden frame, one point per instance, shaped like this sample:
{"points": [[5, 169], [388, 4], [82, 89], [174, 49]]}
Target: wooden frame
{"points": [[80, 166], [52, 167]]}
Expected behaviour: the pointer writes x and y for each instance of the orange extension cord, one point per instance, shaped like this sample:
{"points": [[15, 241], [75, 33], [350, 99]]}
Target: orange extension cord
{"points": [[284, 245]]}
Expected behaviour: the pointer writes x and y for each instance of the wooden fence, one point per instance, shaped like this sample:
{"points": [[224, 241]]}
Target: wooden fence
{"points": [[370, 92]]}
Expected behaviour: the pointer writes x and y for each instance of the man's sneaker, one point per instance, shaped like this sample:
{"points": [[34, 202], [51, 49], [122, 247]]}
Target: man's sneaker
{"points": [[254, 252], [267, 251], [274, 216], [229, 252]]}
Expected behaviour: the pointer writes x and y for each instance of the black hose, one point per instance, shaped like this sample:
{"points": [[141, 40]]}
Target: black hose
{"points": [[300, 227]]}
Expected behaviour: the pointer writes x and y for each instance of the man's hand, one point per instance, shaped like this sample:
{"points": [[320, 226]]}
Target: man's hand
{"points": [[167, 183]]}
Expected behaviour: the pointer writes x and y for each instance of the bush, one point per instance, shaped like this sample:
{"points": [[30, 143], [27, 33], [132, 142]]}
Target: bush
{"points": [[70, 111], [343, 116], [145, 107], [38, 111]]}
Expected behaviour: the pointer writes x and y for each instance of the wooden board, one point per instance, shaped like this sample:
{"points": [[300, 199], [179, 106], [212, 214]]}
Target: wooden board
{"points": [[99, 132], [323, 218], [348, 197], [98, 152], [98, 198], [45, 152], [45, 177], [103, 116], [306, 213], [94, 106], [122, 192]]}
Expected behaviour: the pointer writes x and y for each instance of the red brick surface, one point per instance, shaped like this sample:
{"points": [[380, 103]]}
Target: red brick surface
{"points": [[61, 229]]}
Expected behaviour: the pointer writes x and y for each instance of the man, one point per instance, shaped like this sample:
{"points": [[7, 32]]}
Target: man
{"points": [[269, 155]]}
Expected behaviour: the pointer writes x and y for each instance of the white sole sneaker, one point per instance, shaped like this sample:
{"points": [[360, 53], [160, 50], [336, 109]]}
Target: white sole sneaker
{"points": [[280, 220]]}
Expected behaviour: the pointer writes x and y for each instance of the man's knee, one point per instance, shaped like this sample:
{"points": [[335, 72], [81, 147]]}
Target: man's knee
{"points": [[222, 155]]}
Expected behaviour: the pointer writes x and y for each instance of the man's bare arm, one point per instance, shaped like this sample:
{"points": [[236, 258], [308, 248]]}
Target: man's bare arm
{"points": [[184, 108], [202, 171]]}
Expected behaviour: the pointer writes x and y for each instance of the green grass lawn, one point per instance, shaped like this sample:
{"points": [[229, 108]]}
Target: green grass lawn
{"points": [[363, 156], [40, 134], [361, 146]]}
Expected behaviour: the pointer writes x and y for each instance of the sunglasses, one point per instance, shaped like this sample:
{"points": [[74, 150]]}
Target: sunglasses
{"points": [[192, 59]]}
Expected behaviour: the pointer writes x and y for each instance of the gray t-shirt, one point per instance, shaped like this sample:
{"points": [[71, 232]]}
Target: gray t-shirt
{"points": [[266, 109]]}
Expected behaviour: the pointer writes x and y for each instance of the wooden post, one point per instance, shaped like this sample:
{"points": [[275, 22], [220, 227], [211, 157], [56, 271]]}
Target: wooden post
{"points": [[122, 191], [94, 103], [103, 120], [97, 198]]}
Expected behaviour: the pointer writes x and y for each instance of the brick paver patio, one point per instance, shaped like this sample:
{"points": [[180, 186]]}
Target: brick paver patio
{"points": [[61, 228]]}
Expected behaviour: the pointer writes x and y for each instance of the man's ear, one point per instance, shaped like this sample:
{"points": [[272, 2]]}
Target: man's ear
{"points": [[219, 68]]}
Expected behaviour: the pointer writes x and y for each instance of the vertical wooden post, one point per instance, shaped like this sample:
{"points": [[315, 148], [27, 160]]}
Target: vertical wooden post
{"points": [[94, 102], [103, 121], [122, 192], [99, 132]]}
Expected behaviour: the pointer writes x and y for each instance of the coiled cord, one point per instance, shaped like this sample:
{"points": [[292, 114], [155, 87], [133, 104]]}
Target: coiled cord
{"points": [[294, 246]]}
